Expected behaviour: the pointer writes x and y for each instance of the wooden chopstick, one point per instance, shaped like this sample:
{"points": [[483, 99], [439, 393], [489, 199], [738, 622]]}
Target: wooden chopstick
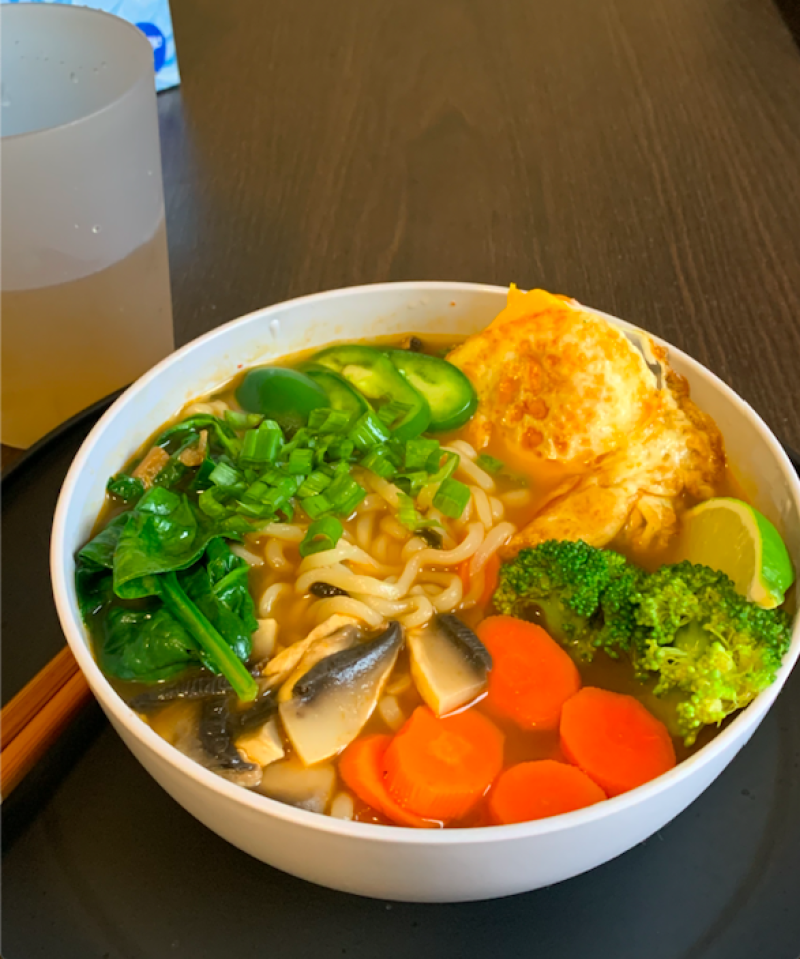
{"points": [[36, 716], [30, 699]]}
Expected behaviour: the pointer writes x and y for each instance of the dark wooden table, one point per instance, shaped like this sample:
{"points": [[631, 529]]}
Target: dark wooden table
{"points": [[642, 157]]}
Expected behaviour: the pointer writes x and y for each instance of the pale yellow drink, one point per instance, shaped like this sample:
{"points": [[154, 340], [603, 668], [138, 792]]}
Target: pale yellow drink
{"points": [[84, 281], [63, 346]]}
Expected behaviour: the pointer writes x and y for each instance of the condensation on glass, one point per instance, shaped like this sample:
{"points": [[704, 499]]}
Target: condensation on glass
{"points": [[85, 282]]}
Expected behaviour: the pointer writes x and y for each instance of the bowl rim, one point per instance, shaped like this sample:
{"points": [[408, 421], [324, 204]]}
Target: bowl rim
{"points": [[63, 584]]}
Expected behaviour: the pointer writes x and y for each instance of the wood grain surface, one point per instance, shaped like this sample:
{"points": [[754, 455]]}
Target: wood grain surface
{"points": [[643, 157]]}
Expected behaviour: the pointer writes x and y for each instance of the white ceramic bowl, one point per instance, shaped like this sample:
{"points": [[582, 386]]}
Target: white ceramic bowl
{"points": [[384, 861]]}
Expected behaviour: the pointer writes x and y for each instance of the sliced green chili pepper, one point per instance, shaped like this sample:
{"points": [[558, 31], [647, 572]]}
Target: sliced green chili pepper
{"points": [[372, 373], [450, 395], [286, 396], [341, 396]]}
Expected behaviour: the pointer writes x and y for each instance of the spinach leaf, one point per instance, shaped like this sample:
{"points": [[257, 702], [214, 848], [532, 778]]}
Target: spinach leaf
{"points": [[205, 614], [221, 560], [219, 433], [200, 480], [99, 552], [230, 576], [125, 487], [147, 646], [164, 532], [95, 589], [198, 587], [218, 654], [234, 592], [93, 578]]}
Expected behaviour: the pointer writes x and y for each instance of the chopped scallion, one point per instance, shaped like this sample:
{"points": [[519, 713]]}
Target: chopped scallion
{"points": [[408, 516], [315, 506], [451, 498], [369, 431], [323, 533], [330, 421], [300, 462], [257, 492], [419, 452], [346, 506], [314, 483], [261, 445], [257, 510], [414, 481], [210, 503], [448, 465], [225, 474], [242, 421], [490, 463], [302, 439], [340, 449], [380, 461], [317, 417], [345, 494]]}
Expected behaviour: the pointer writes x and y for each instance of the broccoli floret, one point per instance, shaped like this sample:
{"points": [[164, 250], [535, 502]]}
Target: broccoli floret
{"points": [[706, 641], [571, 583], [684, 626]]}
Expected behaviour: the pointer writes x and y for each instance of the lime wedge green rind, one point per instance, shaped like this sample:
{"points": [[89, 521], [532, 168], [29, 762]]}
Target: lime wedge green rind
{"points": [[733, 537], [777, 572]]}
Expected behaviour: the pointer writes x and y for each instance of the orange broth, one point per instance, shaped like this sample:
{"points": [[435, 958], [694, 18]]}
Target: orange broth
{"points": [[292, 612]]}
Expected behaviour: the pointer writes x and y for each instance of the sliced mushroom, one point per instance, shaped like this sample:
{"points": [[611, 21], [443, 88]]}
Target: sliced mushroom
{"points": [[220, 753], [320, 649], [333, 700], [466, 640], [255, 714], [291, 782], [262, 745], [278, 668], [191, 688], [449, 664]]}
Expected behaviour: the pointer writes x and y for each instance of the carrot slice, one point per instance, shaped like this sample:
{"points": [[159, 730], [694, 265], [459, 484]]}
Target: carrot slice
{"points": [[540, 789], [615, 740], [361, 768], [492, 573], [532, 677], [439, 767], [463, 571]]}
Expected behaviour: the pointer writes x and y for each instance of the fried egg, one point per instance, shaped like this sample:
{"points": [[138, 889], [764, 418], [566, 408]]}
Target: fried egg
{"points": [[556, 382]]}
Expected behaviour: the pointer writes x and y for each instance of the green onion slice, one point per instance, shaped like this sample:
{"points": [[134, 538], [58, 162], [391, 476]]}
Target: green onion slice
{"points": [[369, 432], [451, 498], [322, 534], [490, 463], [419, 452], [242, 421]]}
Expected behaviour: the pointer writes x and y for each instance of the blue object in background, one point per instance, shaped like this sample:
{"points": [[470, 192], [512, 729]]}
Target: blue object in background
{"points": [[157, 41], [153, 18]]}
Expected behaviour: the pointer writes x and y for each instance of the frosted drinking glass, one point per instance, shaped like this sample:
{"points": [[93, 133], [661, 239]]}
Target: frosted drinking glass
{"points": [[83, 253]]}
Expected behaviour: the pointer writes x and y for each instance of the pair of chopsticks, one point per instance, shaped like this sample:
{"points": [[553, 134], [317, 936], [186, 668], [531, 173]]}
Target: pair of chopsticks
{"points": [[37, 715]]}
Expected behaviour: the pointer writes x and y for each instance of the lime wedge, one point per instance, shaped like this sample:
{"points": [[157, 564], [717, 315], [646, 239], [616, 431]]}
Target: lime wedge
{"points": [[730, 536]]}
